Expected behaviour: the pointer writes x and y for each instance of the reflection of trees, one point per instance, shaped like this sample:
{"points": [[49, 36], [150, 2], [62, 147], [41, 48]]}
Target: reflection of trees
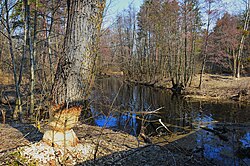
{"points": [[177, 113], [226, 152], [136, 98], [228, 112]]}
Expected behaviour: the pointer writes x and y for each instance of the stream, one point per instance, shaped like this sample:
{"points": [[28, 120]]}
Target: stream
{"points": [[223, 129]]}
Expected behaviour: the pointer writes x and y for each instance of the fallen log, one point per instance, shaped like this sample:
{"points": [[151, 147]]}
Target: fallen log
{"points": [[215, 132]]}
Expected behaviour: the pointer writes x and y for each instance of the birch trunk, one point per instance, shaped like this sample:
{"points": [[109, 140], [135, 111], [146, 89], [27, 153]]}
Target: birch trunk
{"points": [[245, 28]]}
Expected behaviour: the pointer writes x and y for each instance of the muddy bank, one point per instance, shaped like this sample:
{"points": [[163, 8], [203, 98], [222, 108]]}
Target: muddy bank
{"points": [[215, 88]]}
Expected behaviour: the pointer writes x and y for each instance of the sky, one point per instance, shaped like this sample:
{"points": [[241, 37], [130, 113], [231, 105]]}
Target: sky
{"points": [[119, 5], [116, 6]]}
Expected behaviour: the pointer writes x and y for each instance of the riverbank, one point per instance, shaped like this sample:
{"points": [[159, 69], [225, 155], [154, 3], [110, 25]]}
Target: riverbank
{"points": [[112, 148], [18, 136], [220, 88], [215, 88]]}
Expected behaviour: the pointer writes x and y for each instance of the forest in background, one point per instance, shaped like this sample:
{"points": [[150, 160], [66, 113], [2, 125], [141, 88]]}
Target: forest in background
{"points": [[177, 39], [164, 40]]}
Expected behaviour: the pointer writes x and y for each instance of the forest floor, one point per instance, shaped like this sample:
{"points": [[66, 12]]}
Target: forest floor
{"points": [[219, 87], [113, 148], [118, 148]]}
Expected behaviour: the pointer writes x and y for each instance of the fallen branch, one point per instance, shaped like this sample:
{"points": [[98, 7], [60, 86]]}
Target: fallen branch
{"points": [[145, 112], [165, 126]]}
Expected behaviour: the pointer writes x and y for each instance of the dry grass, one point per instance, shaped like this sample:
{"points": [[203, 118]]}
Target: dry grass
{"points": [[218, 87], [6, 78]]}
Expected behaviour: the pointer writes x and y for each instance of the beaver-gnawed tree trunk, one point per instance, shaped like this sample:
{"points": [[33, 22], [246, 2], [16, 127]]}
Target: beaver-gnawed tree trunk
{"points": [[75, 69], [74, 75]]}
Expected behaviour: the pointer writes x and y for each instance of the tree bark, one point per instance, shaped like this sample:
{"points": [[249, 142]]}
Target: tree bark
{"points": [[18, 107], [75, 72], [74, 75]]}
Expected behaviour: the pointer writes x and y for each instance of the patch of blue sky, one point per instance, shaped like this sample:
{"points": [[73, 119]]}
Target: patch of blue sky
{"points": [[114, 7]]}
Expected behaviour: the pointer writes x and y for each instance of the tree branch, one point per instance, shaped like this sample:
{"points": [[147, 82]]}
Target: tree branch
{"points": [[4, 35]]}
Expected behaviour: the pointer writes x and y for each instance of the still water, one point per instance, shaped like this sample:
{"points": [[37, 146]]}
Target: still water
{"points": [[120, 106]]}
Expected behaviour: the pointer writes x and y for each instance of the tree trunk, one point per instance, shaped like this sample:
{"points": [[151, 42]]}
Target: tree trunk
{"points": [[32, 47], [18, 107], [48, 44], [74, 75], [205, 45], [75, 72], [245, 28], [234, 64]]}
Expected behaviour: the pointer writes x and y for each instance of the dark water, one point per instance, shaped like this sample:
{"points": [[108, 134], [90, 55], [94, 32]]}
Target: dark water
{"points": [[116, 105]]}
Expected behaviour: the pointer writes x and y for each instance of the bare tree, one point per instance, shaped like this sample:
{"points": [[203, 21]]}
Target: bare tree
{"points": [[75, 72], [243, 37], [211, 14], [18, 108], [29, 43]]}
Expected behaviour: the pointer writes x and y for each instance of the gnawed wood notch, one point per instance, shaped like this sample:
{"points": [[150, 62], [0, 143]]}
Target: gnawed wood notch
{"points": [[65, 119], [61, 132]]}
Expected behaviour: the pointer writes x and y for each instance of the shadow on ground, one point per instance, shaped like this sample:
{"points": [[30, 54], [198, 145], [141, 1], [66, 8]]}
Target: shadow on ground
{"points": [[199, 148], [14, 135]]}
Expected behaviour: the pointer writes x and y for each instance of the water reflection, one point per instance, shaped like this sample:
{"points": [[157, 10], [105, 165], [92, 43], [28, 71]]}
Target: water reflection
{"points": [[246, 140], [116, 105], [231, 152]]}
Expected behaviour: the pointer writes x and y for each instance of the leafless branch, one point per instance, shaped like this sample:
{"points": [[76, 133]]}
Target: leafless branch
{"points": [[4, 35]]}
